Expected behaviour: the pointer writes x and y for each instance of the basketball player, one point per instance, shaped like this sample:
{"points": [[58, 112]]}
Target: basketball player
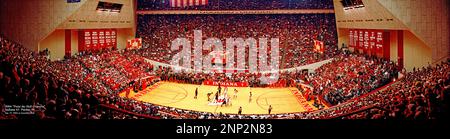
{"points": [[196, 93], [224, 102], [235, 93], [250, 97], [128, 92], [217, 96], [225, 91], [240, 111], [209, 95], [270, 108], [219, 88]]}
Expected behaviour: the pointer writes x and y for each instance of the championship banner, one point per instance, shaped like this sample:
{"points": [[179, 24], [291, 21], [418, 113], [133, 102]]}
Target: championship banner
{"points": [[361, 39], [369, 40], [379, 42], [372, 46], [185, 3], [366, 42], [226, 83], [350, 38], [96, 39]]}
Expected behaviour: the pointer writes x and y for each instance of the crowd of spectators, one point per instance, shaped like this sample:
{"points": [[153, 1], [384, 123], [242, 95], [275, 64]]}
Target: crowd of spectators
{"points": [[116, 69], [422, 94], [351, 75], [415, 96], [395, 103], [239, 5], [79, 86], [74, 88], [61, 89], [26, 80], [295, 32]]}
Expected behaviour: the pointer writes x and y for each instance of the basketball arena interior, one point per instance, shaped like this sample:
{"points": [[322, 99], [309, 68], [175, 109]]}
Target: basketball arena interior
{"points": [[224, 59]]}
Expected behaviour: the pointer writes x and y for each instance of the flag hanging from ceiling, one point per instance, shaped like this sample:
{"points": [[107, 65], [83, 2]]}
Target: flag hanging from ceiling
{"points": [[185, 3], [134, 43], [318, 46]]}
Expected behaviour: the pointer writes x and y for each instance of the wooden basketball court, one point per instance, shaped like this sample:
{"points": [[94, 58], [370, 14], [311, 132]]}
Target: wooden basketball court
{"points": [[283, 100]]}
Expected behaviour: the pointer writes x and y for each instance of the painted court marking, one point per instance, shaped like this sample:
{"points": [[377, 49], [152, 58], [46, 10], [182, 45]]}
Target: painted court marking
{"points": [[283, 100]]}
